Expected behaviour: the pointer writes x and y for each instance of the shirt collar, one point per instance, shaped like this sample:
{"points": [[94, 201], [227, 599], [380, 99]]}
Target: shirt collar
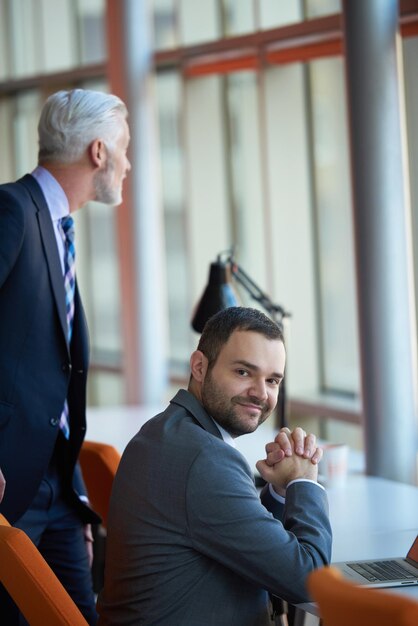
{"points": [[55, 197]]}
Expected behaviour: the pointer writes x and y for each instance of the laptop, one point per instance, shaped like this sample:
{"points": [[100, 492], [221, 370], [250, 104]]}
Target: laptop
{"points": [[383, 572]]}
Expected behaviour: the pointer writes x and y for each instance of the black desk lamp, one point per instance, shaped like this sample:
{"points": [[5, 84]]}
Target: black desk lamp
{"points": [[219, 294]]}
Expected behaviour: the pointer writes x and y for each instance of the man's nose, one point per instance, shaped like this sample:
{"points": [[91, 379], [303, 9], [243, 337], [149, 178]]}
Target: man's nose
{"points": [[259, 390]]}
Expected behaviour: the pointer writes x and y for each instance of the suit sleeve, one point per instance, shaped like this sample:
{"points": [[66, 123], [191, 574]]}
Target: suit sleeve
{"points": [[11, 233], [228, 523], [275, 507]]}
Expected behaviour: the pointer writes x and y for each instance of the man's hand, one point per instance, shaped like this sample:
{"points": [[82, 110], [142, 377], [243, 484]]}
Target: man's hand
{"points": [[2, 485], [290, 468], [88, 538], [289, 442], [290, 456]]}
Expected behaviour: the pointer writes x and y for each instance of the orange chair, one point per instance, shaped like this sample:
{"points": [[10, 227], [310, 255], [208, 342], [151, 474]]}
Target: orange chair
{"points": [[342, 603], [31, 582], [99, 462]]}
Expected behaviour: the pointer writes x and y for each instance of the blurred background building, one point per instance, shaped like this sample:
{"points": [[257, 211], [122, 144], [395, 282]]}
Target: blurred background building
{"points": [[240, 139]]}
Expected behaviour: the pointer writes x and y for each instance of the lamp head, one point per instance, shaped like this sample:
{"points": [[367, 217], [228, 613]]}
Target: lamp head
{"points": [[218, 295]]}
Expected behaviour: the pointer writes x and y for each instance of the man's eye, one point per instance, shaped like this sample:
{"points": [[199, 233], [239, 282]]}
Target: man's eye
{"points": [[242, 372], [273, 381]]}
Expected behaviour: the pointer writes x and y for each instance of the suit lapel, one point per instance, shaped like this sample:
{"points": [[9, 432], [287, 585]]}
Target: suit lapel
{"points": [[49, 242]]}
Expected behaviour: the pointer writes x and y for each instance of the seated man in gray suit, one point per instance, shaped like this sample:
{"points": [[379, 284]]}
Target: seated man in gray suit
{"points": [[189, 542]]}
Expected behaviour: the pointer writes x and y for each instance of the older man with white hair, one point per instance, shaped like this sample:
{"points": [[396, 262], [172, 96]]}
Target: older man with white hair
{"points": [[83, 140]]}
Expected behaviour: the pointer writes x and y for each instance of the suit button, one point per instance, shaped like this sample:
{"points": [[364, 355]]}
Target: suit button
{"points": [[66, 367], [54, 421]]}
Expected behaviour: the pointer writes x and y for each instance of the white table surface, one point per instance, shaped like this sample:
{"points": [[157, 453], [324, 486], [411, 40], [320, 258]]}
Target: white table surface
{"points": [[371, 517]]}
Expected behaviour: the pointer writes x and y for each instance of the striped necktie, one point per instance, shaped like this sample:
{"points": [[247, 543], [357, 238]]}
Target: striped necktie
{"points": [[67, 231], [66, 225]]}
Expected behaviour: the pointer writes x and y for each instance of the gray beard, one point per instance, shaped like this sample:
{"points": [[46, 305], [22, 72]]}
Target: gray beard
{"points": [[104, 192]]}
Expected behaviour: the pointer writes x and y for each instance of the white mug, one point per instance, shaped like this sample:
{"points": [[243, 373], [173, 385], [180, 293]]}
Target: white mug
{"points": [[333, 466]]}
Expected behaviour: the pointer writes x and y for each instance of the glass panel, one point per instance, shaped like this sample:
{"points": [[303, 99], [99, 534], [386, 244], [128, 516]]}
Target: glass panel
{"points": [[26, 38], [25, 129], [178, 279], [336, 252], [4, 41], [238, 17], [91, 26], [165, 25], [199, 21], [246, 176], [315, 8], [290, 233], [7, 152], [105, 389], [97, 269], [209, 212], [45, 35], [60, 43], [410, 49], [274, 13]]}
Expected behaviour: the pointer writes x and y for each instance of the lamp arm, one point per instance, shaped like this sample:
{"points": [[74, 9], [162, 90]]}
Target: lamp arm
{"points": [[255, 292]]}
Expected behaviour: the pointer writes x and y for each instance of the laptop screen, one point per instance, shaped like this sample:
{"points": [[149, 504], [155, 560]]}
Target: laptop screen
{"points": [[413, 552]]}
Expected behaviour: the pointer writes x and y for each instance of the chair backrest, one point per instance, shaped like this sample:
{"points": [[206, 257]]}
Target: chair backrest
{"points": [[31, 582], [342, 603], [99, 462]]}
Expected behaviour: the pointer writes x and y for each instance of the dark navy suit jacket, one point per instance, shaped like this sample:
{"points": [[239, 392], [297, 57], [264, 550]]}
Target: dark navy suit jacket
{"points": [[38, 369], [189, 542]]}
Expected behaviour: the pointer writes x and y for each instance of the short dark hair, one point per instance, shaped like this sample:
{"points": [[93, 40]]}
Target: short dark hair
{"points": [[220, 327]]}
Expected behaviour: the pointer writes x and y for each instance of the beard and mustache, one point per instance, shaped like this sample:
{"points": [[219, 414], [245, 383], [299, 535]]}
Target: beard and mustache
{"points": [[224, 410]]}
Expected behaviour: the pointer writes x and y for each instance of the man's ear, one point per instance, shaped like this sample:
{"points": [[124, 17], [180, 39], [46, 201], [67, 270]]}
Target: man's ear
{"points": [[198, 366], [98, 153]]}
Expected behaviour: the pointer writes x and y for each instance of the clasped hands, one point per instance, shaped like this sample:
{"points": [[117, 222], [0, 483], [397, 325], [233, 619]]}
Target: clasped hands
{"points": [[292, 455]]}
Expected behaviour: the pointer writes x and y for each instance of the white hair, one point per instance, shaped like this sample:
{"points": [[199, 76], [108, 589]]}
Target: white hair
{"points": [[71, 120]]}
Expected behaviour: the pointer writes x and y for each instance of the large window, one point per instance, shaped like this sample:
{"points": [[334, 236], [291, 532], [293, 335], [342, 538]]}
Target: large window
{"points": [[410, 49], [265, 168], [262, 167], [254, 155], [40, 38]]}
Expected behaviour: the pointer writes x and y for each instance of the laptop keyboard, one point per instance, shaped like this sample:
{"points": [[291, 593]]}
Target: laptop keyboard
{"points": [[383, 570]]}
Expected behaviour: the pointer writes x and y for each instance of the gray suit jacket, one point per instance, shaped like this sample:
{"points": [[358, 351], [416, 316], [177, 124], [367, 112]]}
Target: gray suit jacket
{"points": [[189, 542]]}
